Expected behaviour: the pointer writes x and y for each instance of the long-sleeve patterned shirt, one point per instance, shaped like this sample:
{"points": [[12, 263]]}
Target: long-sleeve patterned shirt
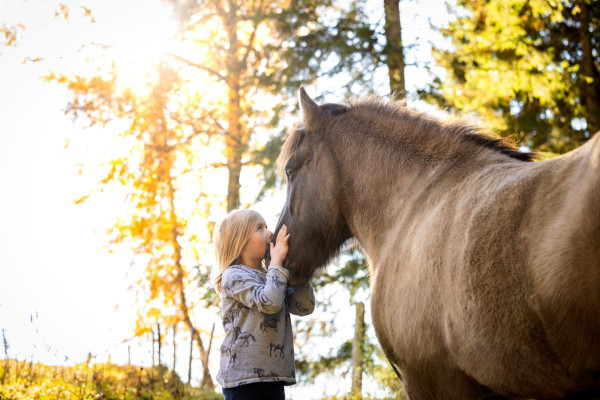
{"points": [[256, 307]]}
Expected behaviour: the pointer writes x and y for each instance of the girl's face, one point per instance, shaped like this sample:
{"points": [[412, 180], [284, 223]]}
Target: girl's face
{"points": [[258, 243]]}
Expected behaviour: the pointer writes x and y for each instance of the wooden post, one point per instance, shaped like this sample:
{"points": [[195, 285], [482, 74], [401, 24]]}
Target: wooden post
{"points": [[357, 350]]}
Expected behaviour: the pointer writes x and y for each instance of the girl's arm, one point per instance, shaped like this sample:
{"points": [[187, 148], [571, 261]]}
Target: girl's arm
{"points": [[300, 299], [247, 289]]}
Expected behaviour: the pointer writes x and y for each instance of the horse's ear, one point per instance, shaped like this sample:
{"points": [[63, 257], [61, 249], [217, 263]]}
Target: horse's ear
{"points": [[312, 114]]}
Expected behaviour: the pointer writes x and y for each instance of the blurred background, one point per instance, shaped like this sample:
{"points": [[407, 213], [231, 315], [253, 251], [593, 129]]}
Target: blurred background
{"points": [[130, 127]]}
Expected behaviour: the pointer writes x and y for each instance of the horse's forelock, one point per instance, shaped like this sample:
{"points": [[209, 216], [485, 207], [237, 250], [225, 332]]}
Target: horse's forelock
{"points": [[293, 141]]}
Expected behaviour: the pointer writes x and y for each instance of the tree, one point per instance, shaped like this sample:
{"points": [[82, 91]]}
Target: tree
{"points": [[261, 49], [530, 69], [357, 349], [394, 49], [243, 46], [156, 170]]}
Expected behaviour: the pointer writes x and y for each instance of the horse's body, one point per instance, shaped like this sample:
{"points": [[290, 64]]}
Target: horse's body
{"points": [[490, 279], [485, 268]]}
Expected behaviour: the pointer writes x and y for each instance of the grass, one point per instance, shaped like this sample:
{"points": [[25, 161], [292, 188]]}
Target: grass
{"points": [[21, 380]]}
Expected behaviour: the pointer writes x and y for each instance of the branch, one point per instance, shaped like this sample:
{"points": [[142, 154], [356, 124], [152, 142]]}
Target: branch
{"points": [[211, 44], [218, 124], [201, 21], [197, 204], [257, 22], [200, 66], [220, 10], [198, 131]]}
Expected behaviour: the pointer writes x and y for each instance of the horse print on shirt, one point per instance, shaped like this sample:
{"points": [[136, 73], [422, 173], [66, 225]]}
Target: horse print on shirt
{"points": [[244, 337], [261, 373], [278, 282], [276, 350], [226, 350], [269, 323], [233, 359], [260, 296], [235, 279]]}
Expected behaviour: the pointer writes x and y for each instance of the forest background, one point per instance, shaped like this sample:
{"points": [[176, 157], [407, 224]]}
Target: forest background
{"points": [[129, 128]]}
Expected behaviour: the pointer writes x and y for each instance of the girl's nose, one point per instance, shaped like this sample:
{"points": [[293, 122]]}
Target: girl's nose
{"points": [[270, 235]]}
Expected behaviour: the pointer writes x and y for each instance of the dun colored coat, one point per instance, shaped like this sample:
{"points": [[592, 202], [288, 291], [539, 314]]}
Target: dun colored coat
{"points": [[484, 265]]}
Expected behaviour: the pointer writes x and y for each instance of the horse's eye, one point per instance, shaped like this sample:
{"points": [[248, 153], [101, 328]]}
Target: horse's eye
{"points": [[288, 172]]}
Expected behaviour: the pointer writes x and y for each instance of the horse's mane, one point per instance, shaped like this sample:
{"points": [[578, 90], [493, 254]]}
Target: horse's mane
{"points": [[390, 115], [396, 112]]}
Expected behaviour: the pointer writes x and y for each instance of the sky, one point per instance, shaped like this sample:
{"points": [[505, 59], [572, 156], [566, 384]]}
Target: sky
{"points": [[62, 293]]}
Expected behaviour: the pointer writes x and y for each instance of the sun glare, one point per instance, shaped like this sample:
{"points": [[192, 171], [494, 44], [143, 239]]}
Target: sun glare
{"points": [[141, 36]]}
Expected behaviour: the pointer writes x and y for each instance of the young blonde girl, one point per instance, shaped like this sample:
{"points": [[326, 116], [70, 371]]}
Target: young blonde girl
{"points": [[257, 354]]}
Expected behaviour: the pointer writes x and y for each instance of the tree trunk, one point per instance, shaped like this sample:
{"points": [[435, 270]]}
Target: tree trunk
{"points": [[234, 166], [237, 138], [159, 338], [178, 282], [153, 354], [190, 360], [207, 382], [393, 48], [591, 90], [206, 379], [174, 346], [357, 350], [210, 341]]}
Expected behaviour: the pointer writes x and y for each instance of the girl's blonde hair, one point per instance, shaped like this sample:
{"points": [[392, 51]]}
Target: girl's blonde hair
{"points": [[230, 236]]}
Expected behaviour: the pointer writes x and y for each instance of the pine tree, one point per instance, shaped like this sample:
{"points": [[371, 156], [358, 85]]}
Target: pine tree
{"points": [[528, 68]]}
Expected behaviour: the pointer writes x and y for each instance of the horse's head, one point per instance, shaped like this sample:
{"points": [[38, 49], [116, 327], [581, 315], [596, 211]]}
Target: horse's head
{"points": [[313, 209]]}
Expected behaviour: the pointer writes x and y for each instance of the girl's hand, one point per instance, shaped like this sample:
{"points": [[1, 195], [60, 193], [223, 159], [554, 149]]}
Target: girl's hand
{"points": [[279, 251]]}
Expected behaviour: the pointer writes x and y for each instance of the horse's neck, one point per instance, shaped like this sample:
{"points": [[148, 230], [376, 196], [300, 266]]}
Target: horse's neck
{"points": [[388, 188], [373, 195]]}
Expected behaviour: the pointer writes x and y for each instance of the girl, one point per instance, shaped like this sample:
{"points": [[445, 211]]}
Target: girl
{"points": [[257, 355]]}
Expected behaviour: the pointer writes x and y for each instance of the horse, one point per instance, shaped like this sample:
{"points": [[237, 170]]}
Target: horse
{"points": [[484, 264]]}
